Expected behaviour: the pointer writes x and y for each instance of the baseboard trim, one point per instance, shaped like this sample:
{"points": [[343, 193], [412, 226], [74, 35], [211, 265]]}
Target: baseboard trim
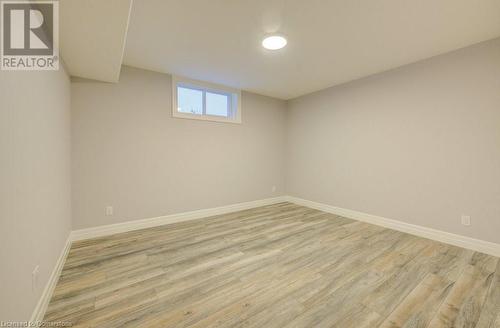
{"points": [[44, 300], [429, 233], [438, 235], [111, 229]]}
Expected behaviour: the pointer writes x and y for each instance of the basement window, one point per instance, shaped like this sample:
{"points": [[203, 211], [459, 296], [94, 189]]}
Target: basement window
{"points": [[205, 101]]}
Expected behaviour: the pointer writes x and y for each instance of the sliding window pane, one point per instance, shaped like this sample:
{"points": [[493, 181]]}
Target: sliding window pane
{"points": [[189, 101], [217, 104]]}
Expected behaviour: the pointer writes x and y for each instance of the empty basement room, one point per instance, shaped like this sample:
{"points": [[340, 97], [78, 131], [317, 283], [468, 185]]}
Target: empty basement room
{"points": [[264, 163]]}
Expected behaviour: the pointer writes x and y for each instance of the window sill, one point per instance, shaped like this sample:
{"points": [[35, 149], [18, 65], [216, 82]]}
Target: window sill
{"points": [[206, 118]]}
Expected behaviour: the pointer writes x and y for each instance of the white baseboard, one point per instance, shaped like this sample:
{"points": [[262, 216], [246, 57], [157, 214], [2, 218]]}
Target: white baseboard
{"points": [[44, 300], [168, 219], [438, 235]]}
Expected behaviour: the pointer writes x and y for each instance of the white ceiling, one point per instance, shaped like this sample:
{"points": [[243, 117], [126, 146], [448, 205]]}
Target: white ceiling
{"points": [[92, 37], [329, 41]]}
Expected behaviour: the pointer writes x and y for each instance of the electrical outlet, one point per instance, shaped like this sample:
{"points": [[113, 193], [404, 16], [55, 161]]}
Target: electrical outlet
{"points": [[465, 220], [109, 210], [273, 188], [34, 278]]}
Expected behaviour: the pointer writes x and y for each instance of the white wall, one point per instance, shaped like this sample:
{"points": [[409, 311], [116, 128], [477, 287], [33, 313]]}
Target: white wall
{"points": [[35, 182], [420, 144], [130, 153]]}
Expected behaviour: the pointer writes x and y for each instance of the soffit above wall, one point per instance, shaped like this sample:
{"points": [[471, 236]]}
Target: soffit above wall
{"points": [[92, 37]]}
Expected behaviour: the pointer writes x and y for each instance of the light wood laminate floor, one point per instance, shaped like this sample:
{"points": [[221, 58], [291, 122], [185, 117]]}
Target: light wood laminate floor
{"points": [[275, 266]]}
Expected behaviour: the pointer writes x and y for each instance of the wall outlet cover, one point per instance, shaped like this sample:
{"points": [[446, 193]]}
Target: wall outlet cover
{"points": [[466, 220], [109, 210], [34, 277]]}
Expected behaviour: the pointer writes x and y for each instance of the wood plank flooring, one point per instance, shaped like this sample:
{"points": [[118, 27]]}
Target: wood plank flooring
{"points": [[275, 266]]}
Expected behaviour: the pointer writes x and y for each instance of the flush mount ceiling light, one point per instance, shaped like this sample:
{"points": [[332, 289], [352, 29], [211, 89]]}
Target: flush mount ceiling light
{"points": [[274, 42]]}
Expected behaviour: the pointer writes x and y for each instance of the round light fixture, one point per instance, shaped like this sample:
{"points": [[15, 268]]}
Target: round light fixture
{"points": [[274, 42]]}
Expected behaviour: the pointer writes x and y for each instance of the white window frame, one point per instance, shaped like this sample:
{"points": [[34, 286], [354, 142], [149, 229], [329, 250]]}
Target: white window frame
{"points": [[233, 94]]}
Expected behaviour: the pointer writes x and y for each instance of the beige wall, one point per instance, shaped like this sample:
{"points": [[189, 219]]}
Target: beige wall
{"points": [[130, 153], [420, 144], [35, 200]]}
